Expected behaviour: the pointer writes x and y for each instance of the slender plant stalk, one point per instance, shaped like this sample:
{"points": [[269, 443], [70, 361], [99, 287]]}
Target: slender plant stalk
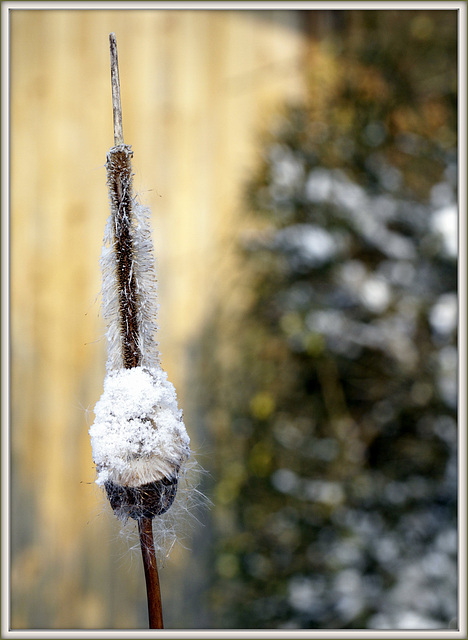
{"points": [[119, 183], [153, 591]]}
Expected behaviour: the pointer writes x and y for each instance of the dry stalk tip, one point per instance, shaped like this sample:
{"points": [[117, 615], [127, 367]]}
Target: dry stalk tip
{"points": [[115, 81]]}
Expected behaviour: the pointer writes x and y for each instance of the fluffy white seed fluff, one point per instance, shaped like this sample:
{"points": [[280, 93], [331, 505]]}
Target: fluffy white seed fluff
{"points": [[138, 435], [146, 282]]}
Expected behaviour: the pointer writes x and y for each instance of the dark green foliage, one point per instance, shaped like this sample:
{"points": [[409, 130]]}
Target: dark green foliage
{"points": [[334, 415]]}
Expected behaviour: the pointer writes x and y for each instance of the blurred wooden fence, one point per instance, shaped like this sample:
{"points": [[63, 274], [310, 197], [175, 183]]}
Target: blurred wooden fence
{"points": [[197, 88]]}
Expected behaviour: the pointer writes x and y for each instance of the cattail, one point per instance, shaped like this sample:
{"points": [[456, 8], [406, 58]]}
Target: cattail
{"points": [[138, 438]]}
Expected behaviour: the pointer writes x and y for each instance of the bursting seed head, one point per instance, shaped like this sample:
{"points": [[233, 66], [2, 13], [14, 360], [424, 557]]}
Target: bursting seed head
{"points": [[139, 442]]}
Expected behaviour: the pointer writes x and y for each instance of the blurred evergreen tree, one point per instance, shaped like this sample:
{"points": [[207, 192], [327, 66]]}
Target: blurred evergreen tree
{"points": [[334, 407]]}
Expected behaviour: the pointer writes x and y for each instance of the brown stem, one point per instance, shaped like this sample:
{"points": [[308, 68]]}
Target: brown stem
{"points": [[153, 591]]}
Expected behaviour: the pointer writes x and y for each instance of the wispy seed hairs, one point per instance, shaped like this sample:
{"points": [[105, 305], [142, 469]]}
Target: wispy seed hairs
{"points": [[138, 437]]}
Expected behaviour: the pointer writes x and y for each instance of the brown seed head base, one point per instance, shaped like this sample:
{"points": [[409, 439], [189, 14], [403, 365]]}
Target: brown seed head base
{"points": [[146, 501]]}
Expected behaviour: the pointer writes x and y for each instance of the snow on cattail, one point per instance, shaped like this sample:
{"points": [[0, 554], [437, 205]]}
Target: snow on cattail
{"points": [[138, 438], [139, 441]]}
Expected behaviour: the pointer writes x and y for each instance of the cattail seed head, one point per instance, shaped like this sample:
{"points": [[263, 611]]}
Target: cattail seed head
{"points": [[129, 288], [139, 441], [138, 438]]}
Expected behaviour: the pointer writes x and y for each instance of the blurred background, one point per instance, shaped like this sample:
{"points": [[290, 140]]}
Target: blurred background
{"points": [[301, 169]]}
